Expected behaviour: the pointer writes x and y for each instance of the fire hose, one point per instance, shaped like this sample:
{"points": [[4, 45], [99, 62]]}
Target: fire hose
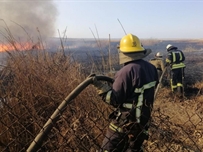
{"points": [[158, 86], [37, 142]]}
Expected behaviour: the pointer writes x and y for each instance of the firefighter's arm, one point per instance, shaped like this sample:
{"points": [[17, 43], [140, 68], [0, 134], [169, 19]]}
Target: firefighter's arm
{"points": [[102, 88], [183, 56], [169, 59]]}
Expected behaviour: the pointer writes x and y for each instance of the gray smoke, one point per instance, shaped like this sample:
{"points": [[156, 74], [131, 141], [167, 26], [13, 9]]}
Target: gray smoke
{"points": [[36, 17]]}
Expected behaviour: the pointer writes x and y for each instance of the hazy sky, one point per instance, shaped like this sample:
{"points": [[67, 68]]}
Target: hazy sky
{"points": [[144, 18]]}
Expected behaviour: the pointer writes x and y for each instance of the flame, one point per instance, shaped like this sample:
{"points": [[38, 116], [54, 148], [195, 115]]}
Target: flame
{"points": [[19, 47]]}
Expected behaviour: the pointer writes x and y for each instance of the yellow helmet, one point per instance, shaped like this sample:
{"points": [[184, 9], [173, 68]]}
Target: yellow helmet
{"points": [[131, 49], [130, 44]]}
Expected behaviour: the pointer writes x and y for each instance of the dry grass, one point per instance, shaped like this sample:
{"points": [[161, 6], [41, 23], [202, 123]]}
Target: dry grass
{"points": [[33, 83], [177, 123]]}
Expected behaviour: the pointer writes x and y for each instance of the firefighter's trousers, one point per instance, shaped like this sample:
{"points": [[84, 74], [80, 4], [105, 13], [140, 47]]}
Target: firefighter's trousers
{"points": [[177, 79], [116, 141]]}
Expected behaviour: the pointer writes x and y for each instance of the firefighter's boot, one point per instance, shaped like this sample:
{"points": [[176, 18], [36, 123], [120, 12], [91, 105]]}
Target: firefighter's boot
{"points": [[180, 90]]}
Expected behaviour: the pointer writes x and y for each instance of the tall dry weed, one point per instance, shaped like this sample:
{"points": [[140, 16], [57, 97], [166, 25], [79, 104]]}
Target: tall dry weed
{"points": [[33, 83]]}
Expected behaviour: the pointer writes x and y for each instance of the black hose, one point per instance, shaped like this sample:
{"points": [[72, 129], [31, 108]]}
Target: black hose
{"points": [[37, 142]]}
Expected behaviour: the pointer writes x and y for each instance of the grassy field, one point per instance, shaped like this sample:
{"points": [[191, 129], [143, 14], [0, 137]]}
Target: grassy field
{"points": [[34, 82]]}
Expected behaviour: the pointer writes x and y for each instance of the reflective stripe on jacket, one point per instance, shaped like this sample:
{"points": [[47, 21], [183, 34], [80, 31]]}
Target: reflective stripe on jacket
{"points": [[176, 66], [140, 99], [175, 59]]}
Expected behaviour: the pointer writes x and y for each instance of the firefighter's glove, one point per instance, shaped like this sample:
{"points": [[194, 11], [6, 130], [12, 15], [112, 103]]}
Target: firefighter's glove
{"points": [[101, 87]]}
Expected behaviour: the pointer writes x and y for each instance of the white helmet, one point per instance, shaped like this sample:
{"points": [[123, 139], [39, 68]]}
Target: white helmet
{"points": [[158, 54], [168, 46]]}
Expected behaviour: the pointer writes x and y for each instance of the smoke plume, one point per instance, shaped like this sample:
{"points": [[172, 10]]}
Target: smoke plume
{"points": [[28, 17]]}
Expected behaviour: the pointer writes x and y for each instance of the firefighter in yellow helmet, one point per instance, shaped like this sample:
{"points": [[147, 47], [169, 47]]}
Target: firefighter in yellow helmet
{"points": [[132, 95], [176, 60], [159, 63]]}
